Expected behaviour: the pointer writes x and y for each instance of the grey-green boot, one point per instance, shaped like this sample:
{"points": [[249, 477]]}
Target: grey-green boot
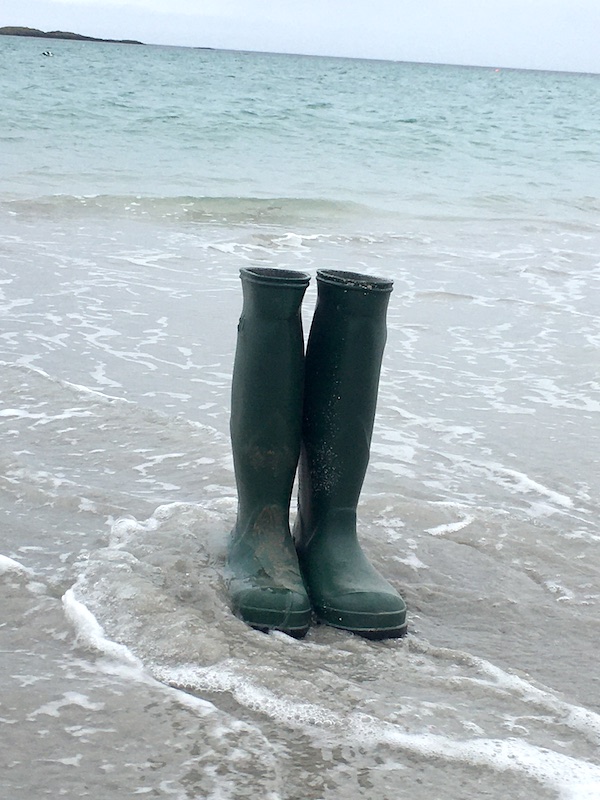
{"points": [[266, 587], [343, 362]]}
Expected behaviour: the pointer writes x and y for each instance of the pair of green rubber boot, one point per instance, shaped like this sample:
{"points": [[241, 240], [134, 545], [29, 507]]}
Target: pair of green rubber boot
{"points": [[316, 411]]}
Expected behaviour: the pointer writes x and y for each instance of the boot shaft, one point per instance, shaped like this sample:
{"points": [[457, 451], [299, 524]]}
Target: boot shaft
{"points": [[267, 388], [343, 363], [268, 372]]}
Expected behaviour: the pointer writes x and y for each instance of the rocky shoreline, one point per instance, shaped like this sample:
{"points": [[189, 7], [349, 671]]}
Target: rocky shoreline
{"points": [[34, 32]]}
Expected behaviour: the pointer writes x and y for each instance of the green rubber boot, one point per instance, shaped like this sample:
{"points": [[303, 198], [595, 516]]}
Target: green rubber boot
{"points": [[266, 586], [343, 362]]}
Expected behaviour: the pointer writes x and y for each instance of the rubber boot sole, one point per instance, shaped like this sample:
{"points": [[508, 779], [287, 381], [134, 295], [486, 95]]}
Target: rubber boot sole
{"points": [[371, 625], [274, 609]]}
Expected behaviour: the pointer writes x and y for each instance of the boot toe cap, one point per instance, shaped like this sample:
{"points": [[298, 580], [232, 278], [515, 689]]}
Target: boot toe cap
{"points": [[274, 609], [374, 615]]}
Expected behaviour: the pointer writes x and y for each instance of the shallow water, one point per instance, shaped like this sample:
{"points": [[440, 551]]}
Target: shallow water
{"points": [[125, 672]]}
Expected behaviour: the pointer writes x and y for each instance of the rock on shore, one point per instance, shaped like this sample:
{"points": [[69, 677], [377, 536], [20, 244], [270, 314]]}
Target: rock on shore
{"points": [[16, 31]]}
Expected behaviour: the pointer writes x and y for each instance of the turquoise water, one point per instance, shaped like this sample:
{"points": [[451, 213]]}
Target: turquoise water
{"points": [[172, 122], [134, 183]]}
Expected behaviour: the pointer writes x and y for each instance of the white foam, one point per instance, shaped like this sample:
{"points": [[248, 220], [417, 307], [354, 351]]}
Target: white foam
{"points": [[10, 565], [91, 634], [411, 561], [154, 460], [54, 708], [73, 761], [121, 661], [402, 452], [7, 307], [99, 375], [575, 717], [451, 527], [517, 481], [550, 394], [222, 679], [45, 419], [123, 528], [523, 483], [571, 778], [450, 433]]}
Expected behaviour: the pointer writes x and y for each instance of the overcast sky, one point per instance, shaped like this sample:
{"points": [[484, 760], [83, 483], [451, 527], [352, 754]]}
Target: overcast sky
{"points": [[536, 34]]}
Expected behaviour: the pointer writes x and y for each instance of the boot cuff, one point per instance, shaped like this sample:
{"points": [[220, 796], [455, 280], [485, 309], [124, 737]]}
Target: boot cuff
{"points": [[354, 280], [278, 277]]}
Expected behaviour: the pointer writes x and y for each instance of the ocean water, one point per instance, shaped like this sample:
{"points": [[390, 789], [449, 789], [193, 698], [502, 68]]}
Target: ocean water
{"points": [[134, 184]]}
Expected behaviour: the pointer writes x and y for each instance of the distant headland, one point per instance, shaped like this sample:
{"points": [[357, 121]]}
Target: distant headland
{"points": [[34, 32]]}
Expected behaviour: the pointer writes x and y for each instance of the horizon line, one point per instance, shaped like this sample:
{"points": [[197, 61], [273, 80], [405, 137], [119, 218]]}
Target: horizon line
{"points": [[97, 40]]}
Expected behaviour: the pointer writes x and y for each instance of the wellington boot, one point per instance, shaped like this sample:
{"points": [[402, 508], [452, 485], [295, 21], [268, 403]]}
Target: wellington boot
{"points": [[343, 362], [266, 585]]}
